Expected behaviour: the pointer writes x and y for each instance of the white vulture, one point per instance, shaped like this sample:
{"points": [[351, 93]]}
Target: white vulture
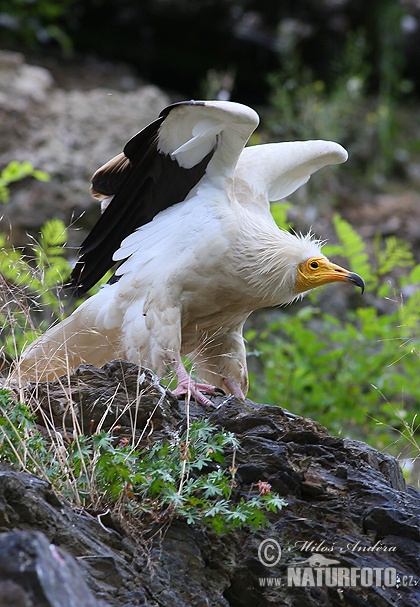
{"points": [[186, 215]]}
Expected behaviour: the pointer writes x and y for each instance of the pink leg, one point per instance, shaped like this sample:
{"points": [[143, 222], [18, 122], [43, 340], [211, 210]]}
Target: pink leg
{"points": [[186, 385], [233, 388]]}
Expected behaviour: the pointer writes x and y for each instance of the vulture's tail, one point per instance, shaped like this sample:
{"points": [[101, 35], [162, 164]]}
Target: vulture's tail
{"points": [[80, 338]]}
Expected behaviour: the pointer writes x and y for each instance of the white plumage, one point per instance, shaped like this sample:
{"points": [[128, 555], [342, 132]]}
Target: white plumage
{"points": [[186, 214]]}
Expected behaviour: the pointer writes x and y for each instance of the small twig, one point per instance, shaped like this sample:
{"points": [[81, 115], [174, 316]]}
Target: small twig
{"points": [[98, 518]]}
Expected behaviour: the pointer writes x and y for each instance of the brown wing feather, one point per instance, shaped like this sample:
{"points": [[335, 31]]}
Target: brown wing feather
{"points": [[108, 179]]}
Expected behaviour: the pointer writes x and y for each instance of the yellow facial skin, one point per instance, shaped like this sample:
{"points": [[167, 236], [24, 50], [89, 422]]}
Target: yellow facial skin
{"points": [[318, 271]]}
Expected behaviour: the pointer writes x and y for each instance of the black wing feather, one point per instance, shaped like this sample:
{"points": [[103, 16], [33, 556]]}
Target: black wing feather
{"points": [[151, 182]]}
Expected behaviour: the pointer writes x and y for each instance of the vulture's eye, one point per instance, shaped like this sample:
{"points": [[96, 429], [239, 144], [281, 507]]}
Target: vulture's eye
{"points": [[314, 265]]}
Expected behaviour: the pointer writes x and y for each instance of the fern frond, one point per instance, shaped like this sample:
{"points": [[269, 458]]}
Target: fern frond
{"points": [[415, 275], [395, 254], [352, 247], [409, 313]]}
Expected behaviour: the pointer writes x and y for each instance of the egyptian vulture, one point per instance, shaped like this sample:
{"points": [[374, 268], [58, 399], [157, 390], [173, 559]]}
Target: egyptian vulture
{"points": [[186, 222]]}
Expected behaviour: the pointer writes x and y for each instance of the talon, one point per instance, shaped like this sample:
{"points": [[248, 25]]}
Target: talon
{"points": [[183, 390], [197, 392], [234, 388], [186, 385]]}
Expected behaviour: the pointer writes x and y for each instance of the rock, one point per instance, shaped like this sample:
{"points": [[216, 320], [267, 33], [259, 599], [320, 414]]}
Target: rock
{"points": [[347, 503], [117, 389], [35, 572], [12, 595], [68, 134], [20, 84], [387, 214]]}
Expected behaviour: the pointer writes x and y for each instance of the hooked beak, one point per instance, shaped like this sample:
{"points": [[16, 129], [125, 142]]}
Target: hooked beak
{"points": [[335, 273], [356, 280]]}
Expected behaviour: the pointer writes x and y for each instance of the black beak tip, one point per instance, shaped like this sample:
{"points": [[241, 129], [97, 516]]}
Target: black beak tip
{"points": [[357, 280]]}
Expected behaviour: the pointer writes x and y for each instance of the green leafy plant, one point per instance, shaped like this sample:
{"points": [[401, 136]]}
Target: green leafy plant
{"points": [[30, 287], [29, 280], [20, 441], [344, 110], [36, 23], [186, 478], [15, 171], [390, 253], [47, 266]]}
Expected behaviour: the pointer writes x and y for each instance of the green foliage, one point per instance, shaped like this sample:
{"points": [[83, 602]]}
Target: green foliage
{"points": [[15, 171], [35, 23], [358, 375], [20, 442], [279, 213], [352, 247], [28, 286], [186, 478], [305, 107], [47, 266], [395, 254], [391, 60], [389, 253]]}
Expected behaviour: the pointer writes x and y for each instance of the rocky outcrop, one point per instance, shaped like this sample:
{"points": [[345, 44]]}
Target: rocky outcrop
{"points": [[349, 513], [68, 134]]}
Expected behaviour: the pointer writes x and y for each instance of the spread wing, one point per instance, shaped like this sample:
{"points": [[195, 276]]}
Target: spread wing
{"points": [[275, 170], [157, 169]]}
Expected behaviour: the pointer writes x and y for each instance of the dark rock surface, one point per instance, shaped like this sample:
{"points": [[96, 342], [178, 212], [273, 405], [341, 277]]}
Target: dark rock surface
{"points": [[346, 502], [35, 572]]}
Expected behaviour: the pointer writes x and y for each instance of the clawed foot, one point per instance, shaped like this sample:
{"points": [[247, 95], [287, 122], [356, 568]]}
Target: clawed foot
{"points": [[195, 390]]}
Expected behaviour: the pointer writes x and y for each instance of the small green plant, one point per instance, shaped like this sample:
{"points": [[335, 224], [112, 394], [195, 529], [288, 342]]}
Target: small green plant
{"points": [[29, 282], [46, 268], [20, 441], [187, 477], [30, 287], [15, 171], [390, 253]]}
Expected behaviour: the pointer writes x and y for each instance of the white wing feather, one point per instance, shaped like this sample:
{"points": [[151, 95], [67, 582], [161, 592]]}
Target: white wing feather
{"points": [[276, 170], [190, 132]]}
